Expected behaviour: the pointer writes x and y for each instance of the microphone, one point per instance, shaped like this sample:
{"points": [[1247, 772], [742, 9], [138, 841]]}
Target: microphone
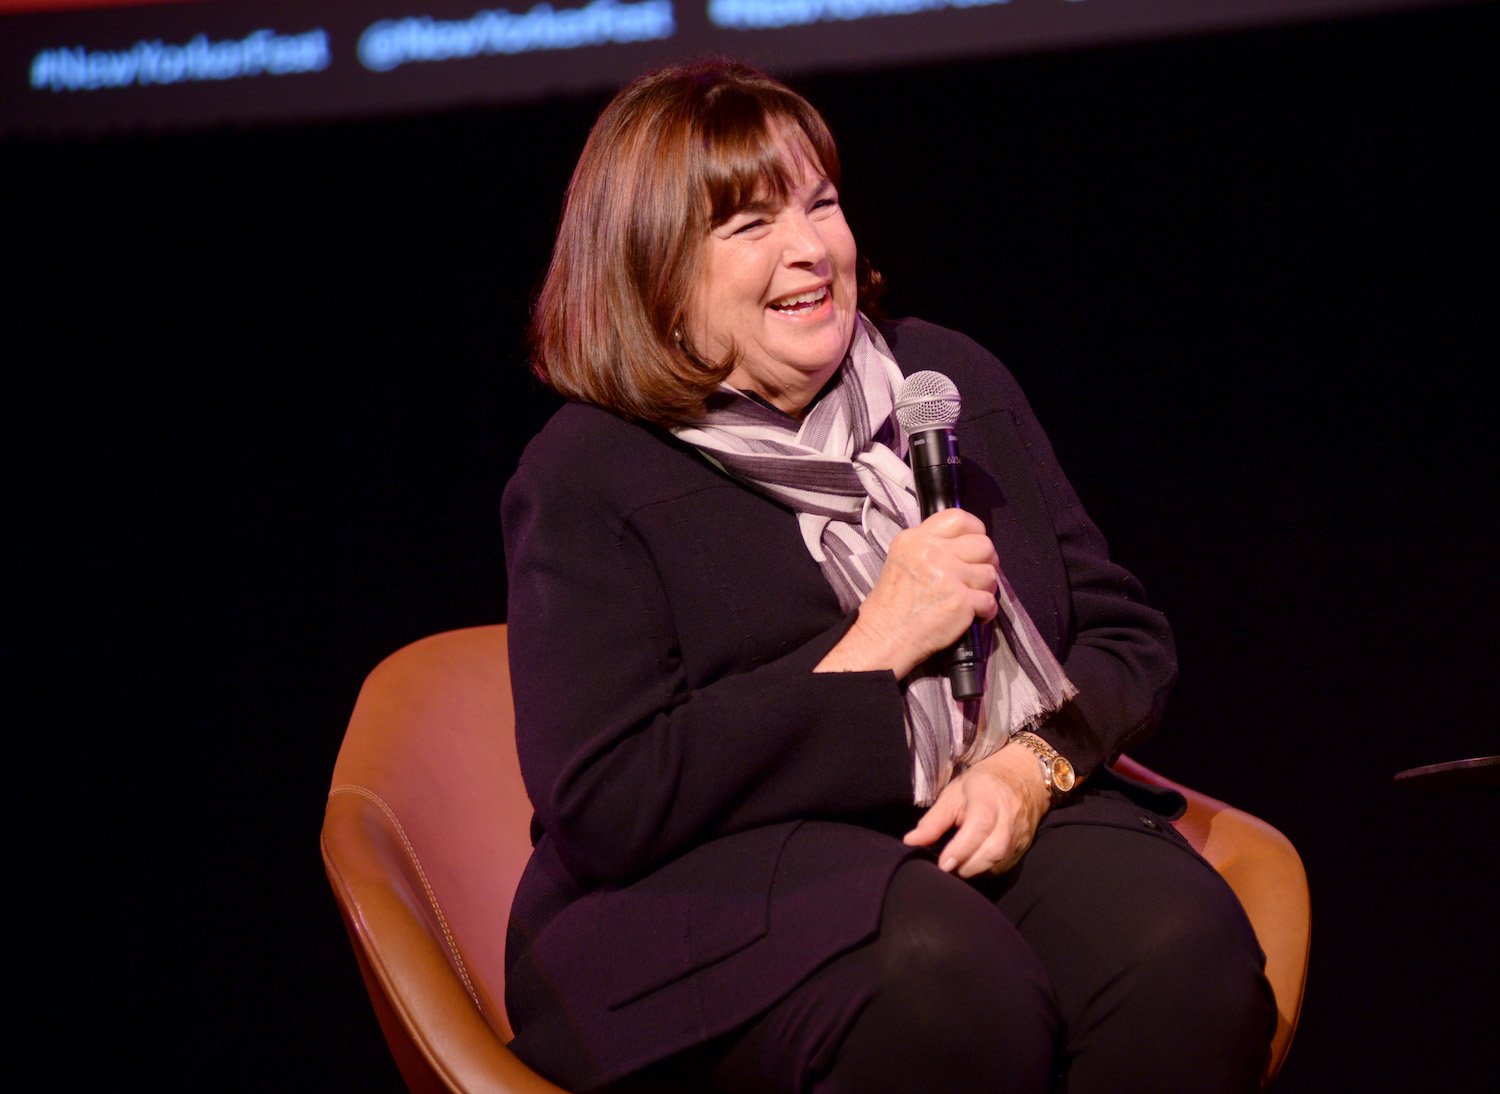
{"points": [[926, 408]]}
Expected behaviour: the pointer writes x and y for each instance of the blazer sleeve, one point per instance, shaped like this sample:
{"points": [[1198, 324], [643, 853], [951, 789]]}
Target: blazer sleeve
{"points": [[629, 763]]}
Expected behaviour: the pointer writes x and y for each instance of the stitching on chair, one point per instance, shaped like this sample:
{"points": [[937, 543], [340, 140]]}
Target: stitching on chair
{"points": [[390, 814]]}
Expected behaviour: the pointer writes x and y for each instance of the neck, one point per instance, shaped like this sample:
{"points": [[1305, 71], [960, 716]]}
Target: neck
{"points": [[794, 406], [793, 398]]}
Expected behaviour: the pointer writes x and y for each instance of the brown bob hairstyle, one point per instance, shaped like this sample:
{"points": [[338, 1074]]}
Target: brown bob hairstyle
{"points": [[675, 153]]}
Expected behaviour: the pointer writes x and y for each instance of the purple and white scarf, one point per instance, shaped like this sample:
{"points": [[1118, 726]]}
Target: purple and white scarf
{"points": [[843, 470]]}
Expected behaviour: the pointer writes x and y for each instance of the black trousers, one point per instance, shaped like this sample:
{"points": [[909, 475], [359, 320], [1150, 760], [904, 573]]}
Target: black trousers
{"points": [[1112, 958]]}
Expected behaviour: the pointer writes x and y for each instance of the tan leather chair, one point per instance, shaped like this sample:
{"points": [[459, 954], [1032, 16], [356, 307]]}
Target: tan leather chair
{"points": [[426, 834]]}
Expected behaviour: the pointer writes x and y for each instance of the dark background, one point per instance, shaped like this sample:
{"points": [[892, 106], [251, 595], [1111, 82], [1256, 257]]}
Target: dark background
{"points": [[264, 387]]}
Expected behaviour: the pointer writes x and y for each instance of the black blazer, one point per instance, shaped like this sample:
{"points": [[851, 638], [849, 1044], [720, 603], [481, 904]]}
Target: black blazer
{"points": [[714, 820]]}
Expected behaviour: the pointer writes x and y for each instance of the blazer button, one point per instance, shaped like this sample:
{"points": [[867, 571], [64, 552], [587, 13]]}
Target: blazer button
{"points": [[1151, 823]]}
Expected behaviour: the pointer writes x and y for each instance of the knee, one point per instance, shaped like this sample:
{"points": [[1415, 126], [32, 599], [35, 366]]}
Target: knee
{"points": [[948, 979], [963, 1003], [947, 952], [1203, 960], [1193, 1002]]}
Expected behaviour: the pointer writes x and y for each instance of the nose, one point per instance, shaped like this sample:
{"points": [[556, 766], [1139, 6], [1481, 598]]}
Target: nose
{"points": [[804, 244]]}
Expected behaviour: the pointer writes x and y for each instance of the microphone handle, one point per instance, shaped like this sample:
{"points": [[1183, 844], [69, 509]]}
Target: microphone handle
{"points": [[934, 464]]}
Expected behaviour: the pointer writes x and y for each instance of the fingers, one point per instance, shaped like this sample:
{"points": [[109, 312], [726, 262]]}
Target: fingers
{"points": [[966, 557], [984, 838], [963, 533], [982, 581], [984, 835], [938, 819], [995, 809], [987, 606], [950, 523], [975, 589]]}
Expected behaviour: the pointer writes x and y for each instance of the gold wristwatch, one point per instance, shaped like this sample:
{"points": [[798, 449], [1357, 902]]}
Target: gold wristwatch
{"points": [[1057, 771]]}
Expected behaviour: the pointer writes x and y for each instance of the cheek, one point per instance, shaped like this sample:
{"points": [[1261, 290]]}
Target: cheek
{"points": [[692, 316], [703, 323], [704, 300], [713, 308], [846, 254]]}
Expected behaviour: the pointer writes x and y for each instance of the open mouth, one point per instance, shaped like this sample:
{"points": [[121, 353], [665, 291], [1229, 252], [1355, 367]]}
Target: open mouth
{"points": [[800, 302]]}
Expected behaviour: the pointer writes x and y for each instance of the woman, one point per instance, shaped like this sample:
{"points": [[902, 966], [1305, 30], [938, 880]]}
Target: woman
{"points": [[772, 852]]}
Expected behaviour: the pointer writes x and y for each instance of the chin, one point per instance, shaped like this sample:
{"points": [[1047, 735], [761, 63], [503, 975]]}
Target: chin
{"points": [[817, 363]]}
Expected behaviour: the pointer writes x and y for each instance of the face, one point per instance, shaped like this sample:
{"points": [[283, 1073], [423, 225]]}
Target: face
{"points": [[778, 284]]}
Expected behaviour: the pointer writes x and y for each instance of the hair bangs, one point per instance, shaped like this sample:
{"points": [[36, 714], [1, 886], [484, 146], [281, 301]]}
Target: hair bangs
{"points": [[756, 143]]}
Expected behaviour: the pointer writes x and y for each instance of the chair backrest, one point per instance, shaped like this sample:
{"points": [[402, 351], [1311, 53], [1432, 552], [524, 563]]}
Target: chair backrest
{"points": [[428, 829], [424, 840], [1266, 873]]}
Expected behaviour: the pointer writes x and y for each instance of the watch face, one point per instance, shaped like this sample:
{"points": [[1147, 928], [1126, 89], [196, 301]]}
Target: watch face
{"points": [[1062, 775]]}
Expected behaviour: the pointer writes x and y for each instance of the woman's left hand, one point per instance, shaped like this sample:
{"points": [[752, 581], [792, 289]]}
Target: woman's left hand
{"points": [[995, 807]]}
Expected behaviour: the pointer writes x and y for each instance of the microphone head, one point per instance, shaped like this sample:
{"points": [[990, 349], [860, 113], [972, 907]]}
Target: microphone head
{"points": [[927, 400]]}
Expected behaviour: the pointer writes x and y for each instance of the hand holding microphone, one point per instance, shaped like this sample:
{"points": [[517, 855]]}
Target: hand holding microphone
{"points": [[939, 577], [927, 407]]}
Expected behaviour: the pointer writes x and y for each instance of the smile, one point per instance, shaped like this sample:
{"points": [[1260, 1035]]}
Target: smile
{"points": [[800, 302]]}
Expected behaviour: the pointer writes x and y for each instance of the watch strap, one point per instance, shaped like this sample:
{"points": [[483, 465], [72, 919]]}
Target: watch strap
{"points": [[1057, 771]]}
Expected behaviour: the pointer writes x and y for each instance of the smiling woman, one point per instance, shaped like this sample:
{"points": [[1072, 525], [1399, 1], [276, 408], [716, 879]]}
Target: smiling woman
{"points": [[678, 208], [776, 295], [773, 851]]}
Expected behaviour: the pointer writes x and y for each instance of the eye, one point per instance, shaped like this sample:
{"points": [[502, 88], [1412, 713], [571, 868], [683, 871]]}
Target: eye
{"points": [[749, 226]]}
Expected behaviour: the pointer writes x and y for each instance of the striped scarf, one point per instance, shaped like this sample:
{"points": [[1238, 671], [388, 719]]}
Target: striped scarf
{"points": [[842, 469]]}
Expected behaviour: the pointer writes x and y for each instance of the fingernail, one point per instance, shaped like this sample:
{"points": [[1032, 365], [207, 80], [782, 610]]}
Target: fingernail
{"points": [[948, 865]]}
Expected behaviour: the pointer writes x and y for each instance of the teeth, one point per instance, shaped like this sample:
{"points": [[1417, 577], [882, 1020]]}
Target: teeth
{"points": [[786, 303]]}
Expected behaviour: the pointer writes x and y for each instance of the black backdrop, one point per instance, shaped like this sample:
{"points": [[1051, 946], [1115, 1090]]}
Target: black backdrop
{"points": [[267, 384]]}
